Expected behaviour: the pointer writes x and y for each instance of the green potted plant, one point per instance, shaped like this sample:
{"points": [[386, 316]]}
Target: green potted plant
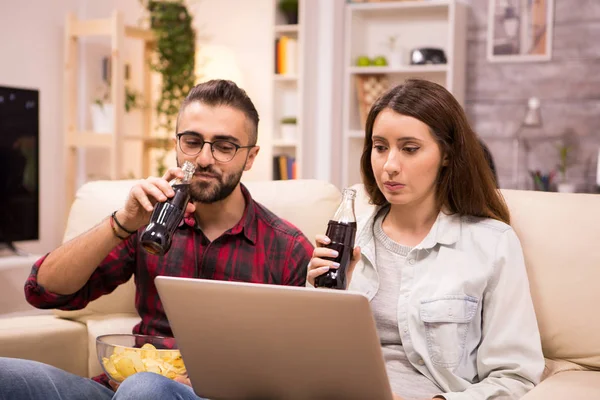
{"points": [[564, 186], [289, 9], [394, 56], [103, 113], [171, 23], [288, 128], [133, 99]]}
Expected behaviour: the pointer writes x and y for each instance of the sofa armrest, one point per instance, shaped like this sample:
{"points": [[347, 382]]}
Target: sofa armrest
{"points": [[47, 339], [567, 385]]}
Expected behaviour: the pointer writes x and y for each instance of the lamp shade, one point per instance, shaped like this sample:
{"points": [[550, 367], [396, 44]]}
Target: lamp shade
{"points": [[533, 117], [217, 62], [511, 22]]}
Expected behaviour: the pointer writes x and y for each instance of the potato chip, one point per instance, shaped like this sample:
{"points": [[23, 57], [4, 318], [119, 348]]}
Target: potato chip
{"points": [[124, 362], [124, 366], [149, 351]]}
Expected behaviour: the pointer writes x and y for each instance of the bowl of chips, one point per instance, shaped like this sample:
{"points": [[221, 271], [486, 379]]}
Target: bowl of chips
{"points": [[123, 355]]}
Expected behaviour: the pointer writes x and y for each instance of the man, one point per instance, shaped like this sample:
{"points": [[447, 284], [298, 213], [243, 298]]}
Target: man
{"points": [[225, 236]]}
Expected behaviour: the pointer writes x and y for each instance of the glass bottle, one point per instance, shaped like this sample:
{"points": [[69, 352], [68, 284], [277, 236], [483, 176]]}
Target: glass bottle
{"points": [[341, 230], [167, 215]]}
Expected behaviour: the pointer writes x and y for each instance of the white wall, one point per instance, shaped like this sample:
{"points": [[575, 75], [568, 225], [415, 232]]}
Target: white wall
{"points": [[35, 42], [246, 28], [31, 47], [325, 94], [238, 28]]}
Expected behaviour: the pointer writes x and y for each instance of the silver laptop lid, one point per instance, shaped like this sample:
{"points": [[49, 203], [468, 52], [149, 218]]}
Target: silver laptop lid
{"points": [[251, 341]]}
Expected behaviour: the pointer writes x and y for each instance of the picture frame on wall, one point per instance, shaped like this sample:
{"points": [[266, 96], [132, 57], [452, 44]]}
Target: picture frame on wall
{"points": [[520, 30]]}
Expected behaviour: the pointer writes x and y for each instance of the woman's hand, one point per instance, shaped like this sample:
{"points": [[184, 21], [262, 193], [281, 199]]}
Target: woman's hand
{"points": [[318, 265], [144, 195]]}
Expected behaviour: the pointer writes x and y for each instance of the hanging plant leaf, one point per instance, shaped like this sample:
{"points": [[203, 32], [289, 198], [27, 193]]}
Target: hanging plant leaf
{"points": [[175, 59]]}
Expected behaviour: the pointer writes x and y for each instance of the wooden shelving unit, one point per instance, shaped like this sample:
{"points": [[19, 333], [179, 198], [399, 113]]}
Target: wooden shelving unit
{"points": [[414, 24], [287, 28], [74, 140]]}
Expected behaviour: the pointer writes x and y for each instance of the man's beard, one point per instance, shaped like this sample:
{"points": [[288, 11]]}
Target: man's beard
{"points": [[215, 189], [211, 191]]}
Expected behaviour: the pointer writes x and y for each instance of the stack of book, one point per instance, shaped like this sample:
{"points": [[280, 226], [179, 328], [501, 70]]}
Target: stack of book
{"points": [[284, 167], [286, 55]]}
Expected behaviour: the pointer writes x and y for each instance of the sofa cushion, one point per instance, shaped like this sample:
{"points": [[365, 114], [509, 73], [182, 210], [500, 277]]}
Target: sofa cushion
{"points": [[567, 386], [362, 207], [308, 204], [104, 325], [121, 300], [558, 233], [553, 367], [46, 339], [93, 202]]}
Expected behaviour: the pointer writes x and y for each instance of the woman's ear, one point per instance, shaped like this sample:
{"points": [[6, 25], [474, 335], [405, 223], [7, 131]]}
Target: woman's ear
{"points": [[445, 161]]}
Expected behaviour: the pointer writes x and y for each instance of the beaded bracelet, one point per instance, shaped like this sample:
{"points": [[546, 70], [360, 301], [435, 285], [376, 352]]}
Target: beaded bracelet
{"points": [[112, 225], [114, 216]]}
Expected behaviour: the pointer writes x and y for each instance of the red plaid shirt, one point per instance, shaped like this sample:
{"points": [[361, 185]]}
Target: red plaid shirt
{"points": [[260, 248]]}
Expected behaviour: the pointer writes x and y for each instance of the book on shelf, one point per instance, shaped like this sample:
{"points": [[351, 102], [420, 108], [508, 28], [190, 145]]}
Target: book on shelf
{"points": [[286, 55], [284, 167]]}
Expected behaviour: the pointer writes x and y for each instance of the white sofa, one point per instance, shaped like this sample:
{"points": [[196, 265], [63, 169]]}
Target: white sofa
{"points": [[559, 233]]}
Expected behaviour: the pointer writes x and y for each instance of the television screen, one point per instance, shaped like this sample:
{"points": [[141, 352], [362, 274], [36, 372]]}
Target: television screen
{"points": [[19, 166]]}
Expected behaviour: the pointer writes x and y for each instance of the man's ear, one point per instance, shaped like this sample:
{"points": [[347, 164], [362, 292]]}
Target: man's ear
{"points": [[251, 156]]}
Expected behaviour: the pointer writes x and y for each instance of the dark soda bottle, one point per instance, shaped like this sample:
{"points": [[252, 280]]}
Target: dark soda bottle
{"points": [[341, 230], [167, 215]]}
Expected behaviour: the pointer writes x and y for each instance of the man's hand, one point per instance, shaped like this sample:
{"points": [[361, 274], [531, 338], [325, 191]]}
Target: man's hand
{"points": [[144, 195], [183, 379], [396, 397]]}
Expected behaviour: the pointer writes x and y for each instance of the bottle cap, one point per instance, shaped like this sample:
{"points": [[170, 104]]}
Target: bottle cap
{"points": [[188, 171], [348, 192]]}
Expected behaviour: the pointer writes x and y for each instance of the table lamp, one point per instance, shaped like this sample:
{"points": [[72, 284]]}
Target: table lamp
{"points": [[533, 119], [217, 62]]}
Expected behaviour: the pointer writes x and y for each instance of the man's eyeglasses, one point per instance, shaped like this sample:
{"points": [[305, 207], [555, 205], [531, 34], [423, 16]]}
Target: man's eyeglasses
{"points": [[223, 151]]}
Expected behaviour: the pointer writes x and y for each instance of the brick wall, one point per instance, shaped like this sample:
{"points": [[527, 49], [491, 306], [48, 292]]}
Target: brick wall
{"points": [[568, 87]]}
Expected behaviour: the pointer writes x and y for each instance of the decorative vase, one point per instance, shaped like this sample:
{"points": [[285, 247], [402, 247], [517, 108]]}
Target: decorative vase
{"points": [[395, 58], [288, 132], [103, 117], [291, 17], [566, 187]]}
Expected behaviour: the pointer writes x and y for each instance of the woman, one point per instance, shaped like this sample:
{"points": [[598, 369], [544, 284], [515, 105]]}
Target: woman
{"points": [[441, 266]]}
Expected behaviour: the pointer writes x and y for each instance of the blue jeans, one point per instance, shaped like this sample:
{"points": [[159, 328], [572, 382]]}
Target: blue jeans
{"points": [[31, 380]]}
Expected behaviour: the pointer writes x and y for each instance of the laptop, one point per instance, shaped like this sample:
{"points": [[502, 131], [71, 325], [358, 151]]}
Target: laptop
{"points": [[258, 341]]}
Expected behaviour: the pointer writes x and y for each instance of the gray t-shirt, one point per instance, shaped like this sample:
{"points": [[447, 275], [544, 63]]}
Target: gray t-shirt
{"points": [[405, 380]]}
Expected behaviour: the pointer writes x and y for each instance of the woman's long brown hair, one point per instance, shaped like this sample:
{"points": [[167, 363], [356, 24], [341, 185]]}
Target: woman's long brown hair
{"points": [[466, 185]]}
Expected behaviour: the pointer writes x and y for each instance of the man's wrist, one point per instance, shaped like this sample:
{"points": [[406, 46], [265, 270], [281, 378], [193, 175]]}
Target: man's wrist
{"points": [[125, 225]]}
